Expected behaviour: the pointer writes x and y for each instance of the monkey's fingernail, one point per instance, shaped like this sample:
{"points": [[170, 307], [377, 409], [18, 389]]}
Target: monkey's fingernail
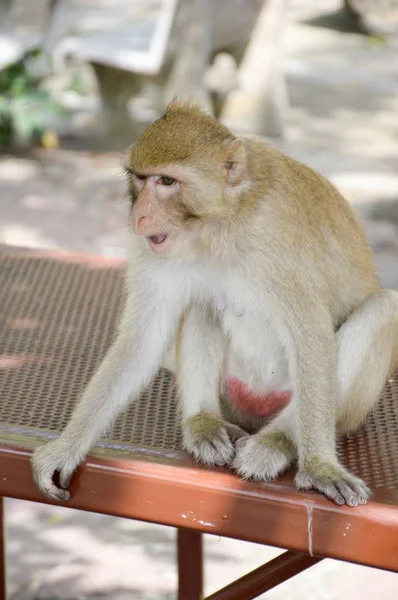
{"points": [[64, 495], [340, 500]]}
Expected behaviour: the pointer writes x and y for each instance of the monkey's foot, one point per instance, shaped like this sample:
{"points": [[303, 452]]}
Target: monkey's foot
{"points": [[333, 481], [210, 439], [263, 456], [48, 459]]}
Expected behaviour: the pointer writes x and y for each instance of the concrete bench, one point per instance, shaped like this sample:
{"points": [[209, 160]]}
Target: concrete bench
{"points": [[166, 47], [58, 314], [23, 27]]}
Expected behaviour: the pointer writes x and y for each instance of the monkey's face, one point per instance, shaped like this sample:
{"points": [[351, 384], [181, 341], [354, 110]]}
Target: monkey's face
{"points": [[163, 209], [185, 172]]}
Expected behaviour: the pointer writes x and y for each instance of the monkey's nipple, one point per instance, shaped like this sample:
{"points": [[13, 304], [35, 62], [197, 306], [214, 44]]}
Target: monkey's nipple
{"points": [[158, 239]]}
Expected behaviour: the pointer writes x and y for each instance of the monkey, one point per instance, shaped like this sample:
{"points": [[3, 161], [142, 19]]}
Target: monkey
{"points": [[251, 277]]}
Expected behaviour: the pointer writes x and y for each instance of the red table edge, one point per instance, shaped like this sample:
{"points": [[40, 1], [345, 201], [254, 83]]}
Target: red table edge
{"points": [[218, 503]]}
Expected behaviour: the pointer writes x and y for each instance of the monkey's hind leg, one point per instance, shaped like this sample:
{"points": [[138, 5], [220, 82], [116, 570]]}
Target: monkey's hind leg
{"points": [[367, 354]]}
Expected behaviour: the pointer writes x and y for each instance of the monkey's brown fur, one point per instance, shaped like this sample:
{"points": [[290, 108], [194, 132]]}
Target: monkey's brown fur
{"points": [[219, 217], [178, 137], [286, 202]]}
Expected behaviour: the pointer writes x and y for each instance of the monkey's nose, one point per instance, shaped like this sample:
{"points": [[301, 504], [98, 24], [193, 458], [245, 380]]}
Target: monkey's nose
{"points": [[141, 223]]}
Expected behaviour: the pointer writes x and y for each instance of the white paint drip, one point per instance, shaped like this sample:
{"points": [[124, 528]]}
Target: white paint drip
{"points": [[309, 528], [206, 524]]}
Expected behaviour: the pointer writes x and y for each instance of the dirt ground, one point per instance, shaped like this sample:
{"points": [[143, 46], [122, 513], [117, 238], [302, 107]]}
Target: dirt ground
{"points": [[342, 121]]}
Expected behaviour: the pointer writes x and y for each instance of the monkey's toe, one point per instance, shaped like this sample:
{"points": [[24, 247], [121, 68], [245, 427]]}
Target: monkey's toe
{"points": [[335, 483], [256, 458], [208, 439]]}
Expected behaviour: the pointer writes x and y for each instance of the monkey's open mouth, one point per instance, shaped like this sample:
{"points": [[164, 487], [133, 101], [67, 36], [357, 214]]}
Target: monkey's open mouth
{"points": [[157, 239]]}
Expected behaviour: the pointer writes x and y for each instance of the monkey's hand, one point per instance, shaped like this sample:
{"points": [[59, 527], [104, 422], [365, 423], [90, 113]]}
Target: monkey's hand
{"points": [[50, 458], [210, 439], [333, 481], [264, 456]]}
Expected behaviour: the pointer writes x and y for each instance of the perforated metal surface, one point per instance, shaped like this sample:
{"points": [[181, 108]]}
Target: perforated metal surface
{"points": [[57, 318], [372, 453]]}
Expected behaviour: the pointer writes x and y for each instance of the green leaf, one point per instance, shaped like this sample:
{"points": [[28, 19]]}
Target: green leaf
{"points": [[24, 108]]}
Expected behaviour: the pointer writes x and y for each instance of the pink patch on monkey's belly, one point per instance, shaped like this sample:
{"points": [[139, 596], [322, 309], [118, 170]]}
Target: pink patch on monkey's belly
{"points": [[254, 404]]}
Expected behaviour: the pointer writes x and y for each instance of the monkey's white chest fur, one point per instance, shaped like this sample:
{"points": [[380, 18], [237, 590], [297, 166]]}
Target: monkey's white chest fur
{"points": [[255, 355]]}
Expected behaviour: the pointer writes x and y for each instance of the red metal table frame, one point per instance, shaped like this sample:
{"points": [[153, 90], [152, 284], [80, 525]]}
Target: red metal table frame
{"points": [[163, 485]]}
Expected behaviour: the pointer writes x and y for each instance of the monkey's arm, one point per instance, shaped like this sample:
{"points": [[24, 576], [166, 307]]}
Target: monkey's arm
{"points": [[150, 319], [200, 359], [201, 355]]}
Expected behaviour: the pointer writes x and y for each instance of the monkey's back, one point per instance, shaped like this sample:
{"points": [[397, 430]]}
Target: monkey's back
{"points": [[313, 227]]}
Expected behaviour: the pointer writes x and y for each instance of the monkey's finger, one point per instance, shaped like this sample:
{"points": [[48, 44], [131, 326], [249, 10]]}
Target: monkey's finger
{"points": [[65, 479], [235, 433], [56, 494], [43, 477], [240, 442], [220, 459], [223, 451], [51, 490], [215, 451], [211, 454]]}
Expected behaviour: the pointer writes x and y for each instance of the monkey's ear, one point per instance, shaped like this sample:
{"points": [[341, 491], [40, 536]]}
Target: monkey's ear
{"points": [[235, 160]]}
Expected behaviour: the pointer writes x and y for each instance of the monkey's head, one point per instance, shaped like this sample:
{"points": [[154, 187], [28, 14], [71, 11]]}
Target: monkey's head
{"points": [[186, 171]]}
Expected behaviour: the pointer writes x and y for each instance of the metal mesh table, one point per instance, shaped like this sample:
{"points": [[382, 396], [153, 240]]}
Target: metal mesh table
{"points": [[57, 317]]}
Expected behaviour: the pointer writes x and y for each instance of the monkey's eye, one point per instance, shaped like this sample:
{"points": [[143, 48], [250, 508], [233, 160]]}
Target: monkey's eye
{"points": [[166, 180], [140, 177]]}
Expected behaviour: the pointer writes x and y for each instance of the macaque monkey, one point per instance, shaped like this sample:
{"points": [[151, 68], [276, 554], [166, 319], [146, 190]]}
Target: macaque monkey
{"points": [[250, 272]]}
